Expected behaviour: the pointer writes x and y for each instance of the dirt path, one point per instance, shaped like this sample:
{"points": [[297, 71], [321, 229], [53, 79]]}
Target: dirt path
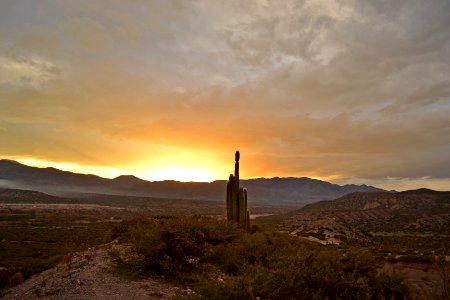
{"points": [[87, 275]]}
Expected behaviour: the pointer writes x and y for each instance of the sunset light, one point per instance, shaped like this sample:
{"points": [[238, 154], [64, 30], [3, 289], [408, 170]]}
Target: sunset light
{"points": [[179, 174], [167, 90], [68, 166], [184, 172]]}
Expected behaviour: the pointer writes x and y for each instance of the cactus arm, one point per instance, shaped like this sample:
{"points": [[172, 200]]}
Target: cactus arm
{"points": [[229, 203], [235, 199], [236, 172], [245, 201], [247, 221], [242, 206]]}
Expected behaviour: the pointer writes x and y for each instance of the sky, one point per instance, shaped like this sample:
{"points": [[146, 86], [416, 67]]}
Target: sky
{"points": [[344, 91]]}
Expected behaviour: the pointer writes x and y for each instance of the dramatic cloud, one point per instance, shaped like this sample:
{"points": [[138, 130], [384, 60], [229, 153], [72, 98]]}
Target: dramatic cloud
{"points": [[351, 91]]}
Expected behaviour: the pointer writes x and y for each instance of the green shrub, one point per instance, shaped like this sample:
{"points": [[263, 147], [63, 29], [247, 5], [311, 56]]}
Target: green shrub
{"points": [[175, 245], [218, 260]]}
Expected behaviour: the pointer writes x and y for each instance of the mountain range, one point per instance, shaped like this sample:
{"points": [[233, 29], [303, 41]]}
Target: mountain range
{"points": [[279, 191]]}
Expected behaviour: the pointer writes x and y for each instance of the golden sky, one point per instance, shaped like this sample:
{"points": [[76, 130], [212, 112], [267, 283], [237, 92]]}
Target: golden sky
{"points": [[345, 91]]}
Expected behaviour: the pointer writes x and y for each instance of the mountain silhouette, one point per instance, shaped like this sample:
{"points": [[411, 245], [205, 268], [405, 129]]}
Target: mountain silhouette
{"points": [[289, 191]]}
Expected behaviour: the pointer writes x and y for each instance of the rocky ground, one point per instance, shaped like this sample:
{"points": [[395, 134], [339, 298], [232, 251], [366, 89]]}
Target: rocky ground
{"points": [[88, 275]]}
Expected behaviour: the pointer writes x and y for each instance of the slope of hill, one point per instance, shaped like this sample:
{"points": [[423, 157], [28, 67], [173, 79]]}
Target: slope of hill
{"points": [[290, 191], [88, 275], [14, 171], [417, 212], [421, 199], [17, 196]]}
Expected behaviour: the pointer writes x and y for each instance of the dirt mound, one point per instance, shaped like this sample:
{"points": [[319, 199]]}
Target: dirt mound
{"points": [[88, 275]]}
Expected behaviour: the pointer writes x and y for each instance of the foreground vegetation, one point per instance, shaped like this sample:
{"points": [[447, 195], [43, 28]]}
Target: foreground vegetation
{"points": [[218, 260], [37, 231], [215, 258], [34, 241]]}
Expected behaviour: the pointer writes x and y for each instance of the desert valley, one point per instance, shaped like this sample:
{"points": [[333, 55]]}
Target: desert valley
{"points": [[226, 149]]}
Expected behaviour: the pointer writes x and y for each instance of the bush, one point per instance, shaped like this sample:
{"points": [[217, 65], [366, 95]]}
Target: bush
{"points": [[175, 245], [390, 286], [415, 259], [16, 279], [5, 274], [218, 260]]}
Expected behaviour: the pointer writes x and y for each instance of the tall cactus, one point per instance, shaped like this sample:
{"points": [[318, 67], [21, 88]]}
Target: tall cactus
{"points": [[237, 198], [229, 201], [237, 156]]}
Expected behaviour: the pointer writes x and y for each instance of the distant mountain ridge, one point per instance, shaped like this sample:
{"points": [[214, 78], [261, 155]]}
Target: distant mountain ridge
{"points": [[292, 191], [420, 199]]}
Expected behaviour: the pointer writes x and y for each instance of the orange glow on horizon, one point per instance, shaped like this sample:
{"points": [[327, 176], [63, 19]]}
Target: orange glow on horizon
{"points": [[180, 165], [188, 168], [184, 168], [179, 174], [101, 171], [185, 171]]}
